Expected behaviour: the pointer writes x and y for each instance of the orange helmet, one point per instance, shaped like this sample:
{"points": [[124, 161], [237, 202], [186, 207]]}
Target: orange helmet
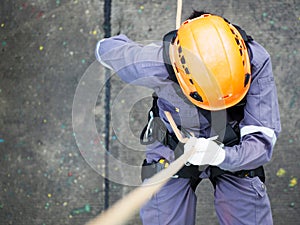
{"points": [[211, 62]]}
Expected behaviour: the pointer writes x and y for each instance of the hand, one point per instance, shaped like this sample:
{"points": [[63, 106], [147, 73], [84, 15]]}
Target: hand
{"points": [[207, 152]]}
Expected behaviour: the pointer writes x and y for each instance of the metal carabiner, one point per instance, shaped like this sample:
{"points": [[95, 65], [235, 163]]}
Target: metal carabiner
{"points": [[149, 129]]}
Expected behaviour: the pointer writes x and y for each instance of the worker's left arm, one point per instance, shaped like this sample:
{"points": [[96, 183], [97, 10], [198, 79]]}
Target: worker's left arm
{"points": [[261, 124], [259, 128]]}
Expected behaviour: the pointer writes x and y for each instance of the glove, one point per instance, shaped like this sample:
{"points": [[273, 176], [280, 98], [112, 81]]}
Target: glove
{"points": [[207, 152]]}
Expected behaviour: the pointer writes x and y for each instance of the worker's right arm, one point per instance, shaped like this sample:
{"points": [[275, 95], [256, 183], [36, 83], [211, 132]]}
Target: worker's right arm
{"points": [[133, 62]]}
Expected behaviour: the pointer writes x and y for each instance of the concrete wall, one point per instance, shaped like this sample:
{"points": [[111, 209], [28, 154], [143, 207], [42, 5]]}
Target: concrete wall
{"points": [[47, 49]]}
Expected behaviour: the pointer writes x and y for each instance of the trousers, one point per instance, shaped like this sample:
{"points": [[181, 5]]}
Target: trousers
{"points": [[237, 201]]}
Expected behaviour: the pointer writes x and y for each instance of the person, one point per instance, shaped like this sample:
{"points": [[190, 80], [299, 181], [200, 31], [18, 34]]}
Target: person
{"points": [[216, 81]]}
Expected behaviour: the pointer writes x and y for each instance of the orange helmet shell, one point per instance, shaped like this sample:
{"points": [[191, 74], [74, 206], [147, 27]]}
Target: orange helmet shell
{"points": [[211, 62]]}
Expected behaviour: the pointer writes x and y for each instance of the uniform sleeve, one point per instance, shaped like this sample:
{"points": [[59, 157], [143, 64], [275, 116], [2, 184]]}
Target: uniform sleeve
{"points": [[261, 124], [133, 62]]}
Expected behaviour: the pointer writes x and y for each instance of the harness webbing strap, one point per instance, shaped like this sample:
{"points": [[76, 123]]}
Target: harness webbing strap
{"points": [[216, 172], [160, 133]]}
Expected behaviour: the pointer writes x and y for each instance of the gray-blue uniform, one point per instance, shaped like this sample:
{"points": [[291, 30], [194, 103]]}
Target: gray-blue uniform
{"points": [[237, 200]]}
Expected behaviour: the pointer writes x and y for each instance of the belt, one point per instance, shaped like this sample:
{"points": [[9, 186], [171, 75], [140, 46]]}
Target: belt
{"points": [[216, 172]]}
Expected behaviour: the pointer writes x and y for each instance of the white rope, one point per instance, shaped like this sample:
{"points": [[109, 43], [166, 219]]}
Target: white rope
{"points": [[178, 14]]}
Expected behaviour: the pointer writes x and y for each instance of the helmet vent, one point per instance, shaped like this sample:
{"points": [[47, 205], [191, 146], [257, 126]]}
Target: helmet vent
{"points": [[191, 81], [196, 96], [182, 60], [179, 49], [241, 52], [186, 70], [247, 78]]}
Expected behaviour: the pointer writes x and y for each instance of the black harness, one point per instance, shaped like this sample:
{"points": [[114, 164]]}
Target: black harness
{"points": [[156, 130]]}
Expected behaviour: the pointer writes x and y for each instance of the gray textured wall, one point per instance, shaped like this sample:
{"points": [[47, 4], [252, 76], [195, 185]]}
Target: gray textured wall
{"points": [[47, 47]]}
